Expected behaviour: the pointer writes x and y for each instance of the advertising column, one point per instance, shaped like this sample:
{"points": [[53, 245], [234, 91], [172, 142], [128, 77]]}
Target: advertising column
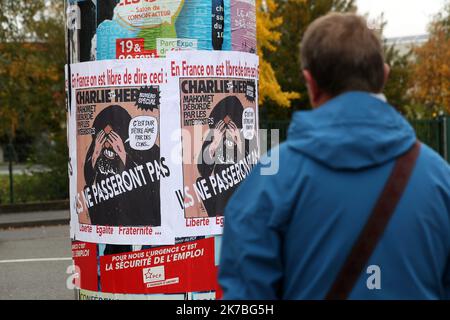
{"points": [[162, 129]]}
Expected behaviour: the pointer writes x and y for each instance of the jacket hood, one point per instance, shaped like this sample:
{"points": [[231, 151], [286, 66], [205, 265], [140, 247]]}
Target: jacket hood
{"points": [[353, 131]]}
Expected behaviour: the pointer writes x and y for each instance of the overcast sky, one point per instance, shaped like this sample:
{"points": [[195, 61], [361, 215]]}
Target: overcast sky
{"points": [[404, 17]]}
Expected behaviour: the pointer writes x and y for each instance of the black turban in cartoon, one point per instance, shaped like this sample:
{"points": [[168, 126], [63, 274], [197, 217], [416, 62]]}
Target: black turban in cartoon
{"points": [[231, 107], [109, 155]]}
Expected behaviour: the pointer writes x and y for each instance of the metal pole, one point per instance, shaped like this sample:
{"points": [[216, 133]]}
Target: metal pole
{"points": [[11, 177]]}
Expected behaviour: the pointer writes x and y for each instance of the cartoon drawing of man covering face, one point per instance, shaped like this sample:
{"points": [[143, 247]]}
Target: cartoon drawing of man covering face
{"points": [[110, 155], [225, 146]]}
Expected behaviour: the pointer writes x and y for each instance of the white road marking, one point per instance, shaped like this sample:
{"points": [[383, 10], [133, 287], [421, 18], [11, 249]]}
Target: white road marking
{"points": [[35, 260]]}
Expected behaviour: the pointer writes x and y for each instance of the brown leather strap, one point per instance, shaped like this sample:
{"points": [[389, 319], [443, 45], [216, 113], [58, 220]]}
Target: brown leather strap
{"points": [[373, 230]]}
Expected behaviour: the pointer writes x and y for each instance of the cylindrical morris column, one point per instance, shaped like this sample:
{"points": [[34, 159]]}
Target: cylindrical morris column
{"points": [[147, 201]]}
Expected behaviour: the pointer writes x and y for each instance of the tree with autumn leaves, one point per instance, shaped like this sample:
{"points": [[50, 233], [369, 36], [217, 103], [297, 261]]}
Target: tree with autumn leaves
{"points": [[419, 85], [268, 38], [280, 26], [31, 67], [32, 98], [430, 81]]}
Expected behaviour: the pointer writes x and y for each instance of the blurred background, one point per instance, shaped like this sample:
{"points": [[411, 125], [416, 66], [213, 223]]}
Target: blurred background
{"points": [[33, 151]]}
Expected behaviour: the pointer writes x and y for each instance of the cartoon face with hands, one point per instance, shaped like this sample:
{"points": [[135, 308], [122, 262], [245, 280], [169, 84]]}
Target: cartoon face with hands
{"points": [[223, 147], [108, 153], [226, 132], [225, 142], [109, 144]]}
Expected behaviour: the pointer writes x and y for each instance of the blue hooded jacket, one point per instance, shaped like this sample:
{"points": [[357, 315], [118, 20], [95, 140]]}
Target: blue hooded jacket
{"points": [[287, 235]]}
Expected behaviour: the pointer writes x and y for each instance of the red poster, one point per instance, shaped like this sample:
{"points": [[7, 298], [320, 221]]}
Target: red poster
{"points": [[133, 48], [185, 267], [84, 255]]}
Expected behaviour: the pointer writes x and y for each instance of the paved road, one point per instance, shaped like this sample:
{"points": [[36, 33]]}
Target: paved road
{"points": [[23, 275], [34, 219]]}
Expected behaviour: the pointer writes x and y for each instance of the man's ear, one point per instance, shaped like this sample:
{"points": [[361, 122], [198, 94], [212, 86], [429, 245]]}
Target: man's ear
{"points": [[387, 72], [313, 88]]}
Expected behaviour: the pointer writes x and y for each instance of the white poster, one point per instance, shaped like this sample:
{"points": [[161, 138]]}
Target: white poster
{"points": [[211, 126], [158, 146], [115, 151]]}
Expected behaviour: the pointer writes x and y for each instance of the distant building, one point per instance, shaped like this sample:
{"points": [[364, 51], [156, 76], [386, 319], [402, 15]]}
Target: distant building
{"points": [[405, 44]]}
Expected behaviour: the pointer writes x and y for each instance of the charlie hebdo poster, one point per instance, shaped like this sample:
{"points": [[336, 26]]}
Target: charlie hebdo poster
{"points": [[212, 98], [116, 147], [158, 146]]}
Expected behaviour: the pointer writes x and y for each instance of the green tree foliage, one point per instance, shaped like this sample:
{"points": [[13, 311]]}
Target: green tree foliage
{"points": [[32, 97], [31, 66], [397, 87], [268, 37]]}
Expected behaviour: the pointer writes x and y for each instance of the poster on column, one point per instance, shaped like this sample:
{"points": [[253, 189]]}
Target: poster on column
{"points": [[84, 255], [185, 271], [212, 99], [117, 163], [144, 29], [185, 267], [243, 25]]}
